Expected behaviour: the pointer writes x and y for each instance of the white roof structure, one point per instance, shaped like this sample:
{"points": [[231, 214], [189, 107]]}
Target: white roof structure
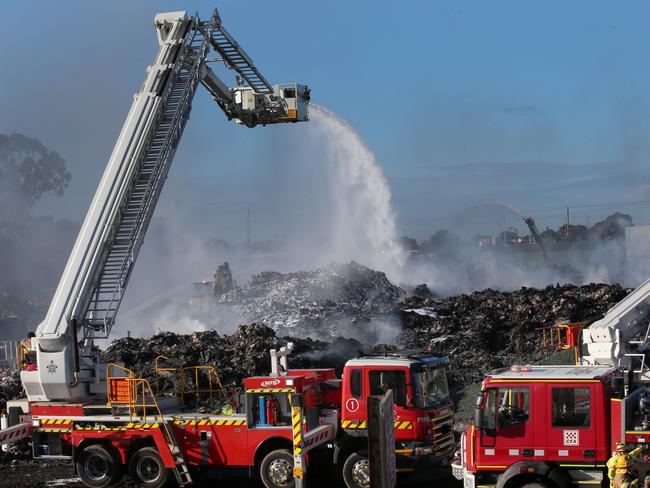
{"points": [[552, 372]]}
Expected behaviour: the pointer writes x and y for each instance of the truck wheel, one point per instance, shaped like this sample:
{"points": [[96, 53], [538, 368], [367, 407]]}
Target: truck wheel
{"points": [[148, 470], [98, 467], [356, 472], [276, 469]]}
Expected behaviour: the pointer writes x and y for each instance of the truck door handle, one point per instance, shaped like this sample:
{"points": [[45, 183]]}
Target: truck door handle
{"points": [[527, 452], [589, 453]]}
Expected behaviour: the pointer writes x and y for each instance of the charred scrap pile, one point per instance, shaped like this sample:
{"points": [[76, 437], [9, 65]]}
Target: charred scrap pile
{"points": [[338, 299], [489, 329], [341, 304]]}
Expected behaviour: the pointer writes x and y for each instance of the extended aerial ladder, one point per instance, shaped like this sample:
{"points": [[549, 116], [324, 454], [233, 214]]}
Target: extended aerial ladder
{"points": [[93, 284], [622, 336]]}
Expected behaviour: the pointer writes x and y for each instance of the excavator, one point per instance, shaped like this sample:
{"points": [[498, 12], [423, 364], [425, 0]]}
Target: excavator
{"points": [[532, 227], [63, 356]]}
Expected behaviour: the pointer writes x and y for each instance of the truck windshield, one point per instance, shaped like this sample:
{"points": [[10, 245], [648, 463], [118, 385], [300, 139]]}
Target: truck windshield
{"points": [[430, 387]]}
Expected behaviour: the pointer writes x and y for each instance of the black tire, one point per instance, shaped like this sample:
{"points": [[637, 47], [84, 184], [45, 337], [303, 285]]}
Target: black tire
{"points": [[99, 466], [535, 484], [355, 471], [276, 469], [147, 469]]}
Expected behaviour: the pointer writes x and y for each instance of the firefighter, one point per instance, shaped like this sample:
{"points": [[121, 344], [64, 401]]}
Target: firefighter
{"points": [[29, 356], [618, 468]]}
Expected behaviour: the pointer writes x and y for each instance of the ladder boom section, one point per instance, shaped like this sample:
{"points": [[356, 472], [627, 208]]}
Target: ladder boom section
{"points": [[236, 58], [93, 283], [622, 333]]}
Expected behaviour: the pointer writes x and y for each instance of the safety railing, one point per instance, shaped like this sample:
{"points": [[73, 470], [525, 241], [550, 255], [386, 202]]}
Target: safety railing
{"points": [[564, 336], [134, 393], [138, 396], [161, 371], [193, 381], [204, 381], [8, 352]]}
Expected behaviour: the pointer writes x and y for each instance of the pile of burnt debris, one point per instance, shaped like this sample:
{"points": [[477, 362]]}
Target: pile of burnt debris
{"points": [[489, 329], [235, 356], [327, 302], [332, 314], [479, 332], [10, 386]]}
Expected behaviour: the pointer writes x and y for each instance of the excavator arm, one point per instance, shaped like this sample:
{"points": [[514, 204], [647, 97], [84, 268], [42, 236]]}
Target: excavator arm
{"points": [[97, 273]]}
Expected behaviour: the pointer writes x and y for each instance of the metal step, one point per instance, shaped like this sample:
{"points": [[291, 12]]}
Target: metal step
{"points": [[181, 471]]}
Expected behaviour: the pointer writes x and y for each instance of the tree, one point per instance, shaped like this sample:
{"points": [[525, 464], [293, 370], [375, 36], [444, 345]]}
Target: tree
{"points": [[28, 170], [613, 227]]}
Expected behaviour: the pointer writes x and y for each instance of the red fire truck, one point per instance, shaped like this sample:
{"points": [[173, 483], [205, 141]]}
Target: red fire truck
{"points": [[548, 426], [284, 422], [556, 426]]}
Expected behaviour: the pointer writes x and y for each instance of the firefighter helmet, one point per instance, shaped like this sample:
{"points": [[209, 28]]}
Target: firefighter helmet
{"points": [[620, 447]]}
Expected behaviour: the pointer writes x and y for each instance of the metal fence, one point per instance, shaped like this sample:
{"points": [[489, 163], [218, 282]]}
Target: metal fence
{"points": [[8, 353]]}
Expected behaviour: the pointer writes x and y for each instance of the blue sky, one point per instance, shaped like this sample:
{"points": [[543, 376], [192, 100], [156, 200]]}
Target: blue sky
{"points": [[540, 104]]}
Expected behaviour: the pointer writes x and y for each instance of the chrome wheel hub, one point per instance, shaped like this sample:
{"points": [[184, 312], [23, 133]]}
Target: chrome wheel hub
{"points": [[361, 473], [280, 472]]}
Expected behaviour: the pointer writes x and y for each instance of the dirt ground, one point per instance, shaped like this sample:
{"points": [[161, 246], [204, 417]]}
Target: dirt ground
{"points": [[41, 475]]}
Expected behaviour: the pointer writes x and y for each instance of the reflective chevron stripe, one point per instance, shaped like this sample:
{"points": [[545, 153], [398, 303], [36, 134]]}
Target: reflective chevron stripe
{"points": [[296, 422], [210, 422], [270, 390], [361, 424], [129, 426], [55, 422]]}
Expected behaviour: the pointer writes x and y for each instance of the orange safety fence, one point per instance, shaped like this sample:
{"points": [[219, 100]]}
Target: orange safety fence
{"points": [[193, 381], [204, 379], [164, 370], [564, 336]]}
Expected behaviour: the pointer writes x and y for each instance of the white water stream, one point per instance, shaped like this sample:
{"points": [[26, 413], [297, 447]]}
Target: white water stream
{"points": [[363, 224]]}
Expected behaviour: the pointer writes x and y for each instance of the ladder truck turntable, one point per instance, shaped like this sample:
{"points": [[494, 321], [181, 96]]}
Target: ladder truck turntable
{"points": [[108, 420], [556, 426]]}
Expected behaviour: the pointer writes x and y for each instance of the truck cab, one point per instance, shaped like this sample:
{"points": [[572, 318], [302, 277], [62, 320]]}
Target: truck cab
{"points": [[548, 425], [423, 409]]}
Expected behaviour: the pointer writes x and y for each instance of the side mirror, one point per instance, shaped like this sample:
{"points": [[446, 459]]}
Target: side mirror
{"points": [[478, 417], [478, 412], [618, 387]]}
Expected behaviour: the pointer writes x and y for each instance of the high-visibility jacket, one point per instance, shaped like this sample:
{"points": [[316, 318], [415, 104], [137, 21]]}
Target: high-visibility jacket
{"points": [[621, 466]]}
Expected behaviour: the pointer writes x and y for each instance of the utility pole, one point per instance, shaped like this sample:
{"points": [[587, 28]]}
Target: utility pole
{"points": [[248, 228], [567, 225], [501, 231]]}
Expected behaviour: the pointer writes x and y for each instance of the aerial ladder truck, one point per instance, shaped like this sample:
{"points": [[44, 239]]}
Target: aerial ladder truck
{"points": [[96, 276], [556, 425], [109, 421]]}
